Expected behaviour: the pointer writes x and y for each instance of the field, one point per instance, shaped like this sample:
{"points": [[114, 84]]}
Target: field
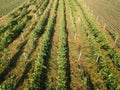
{"points": [[57, 45], [7, 6], [108, 11]]}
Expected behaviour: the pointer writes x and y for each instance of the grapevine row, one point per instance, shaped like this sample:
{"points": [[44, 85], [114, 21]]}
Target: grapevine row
{"points": [[38, 30], [41, 9], [15, 21], [62, 51], [99, 37], [16, 30], [11, 35], [104, 69], [45, 49]]}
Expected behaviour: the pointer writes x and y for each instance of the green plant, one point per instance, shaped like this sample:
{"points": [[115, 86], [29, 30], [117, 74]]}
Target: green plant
{"points": [[45, 50]]}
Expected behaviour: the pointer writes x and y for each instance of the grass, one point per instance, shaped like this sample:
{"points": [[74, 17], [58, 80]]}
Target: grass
{"points": [[7, 6]]}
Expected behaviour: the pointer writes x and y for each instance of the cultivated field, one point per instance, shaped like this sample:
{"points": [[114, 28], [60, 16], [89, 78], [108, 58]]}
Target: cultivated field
{"points": [[57, 45], [107, 13], [7, 6]]}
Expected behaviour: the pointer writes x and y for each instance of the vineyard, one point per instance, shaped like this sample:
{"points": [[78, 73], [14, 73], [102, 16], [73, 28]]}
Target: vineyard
{"points": [[57, 45]]}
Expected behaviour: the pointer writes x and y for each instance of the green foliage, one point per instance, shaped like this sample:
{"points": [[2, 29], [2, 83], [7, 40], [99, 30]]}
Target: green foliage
{"points": [[15, 19], [45, 49], [99, 37], [12, 34], [1, 62], [10, 25], [41, 9], [104, 69], [115, 57], [96, 36], [63, 50], [39, 28], [9, 85]]}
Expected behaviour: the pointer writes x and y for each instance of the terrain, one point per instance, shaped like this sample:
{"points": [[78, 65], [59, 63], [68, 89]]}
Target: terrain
{"points": [[57, 45], [7, 6]]}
